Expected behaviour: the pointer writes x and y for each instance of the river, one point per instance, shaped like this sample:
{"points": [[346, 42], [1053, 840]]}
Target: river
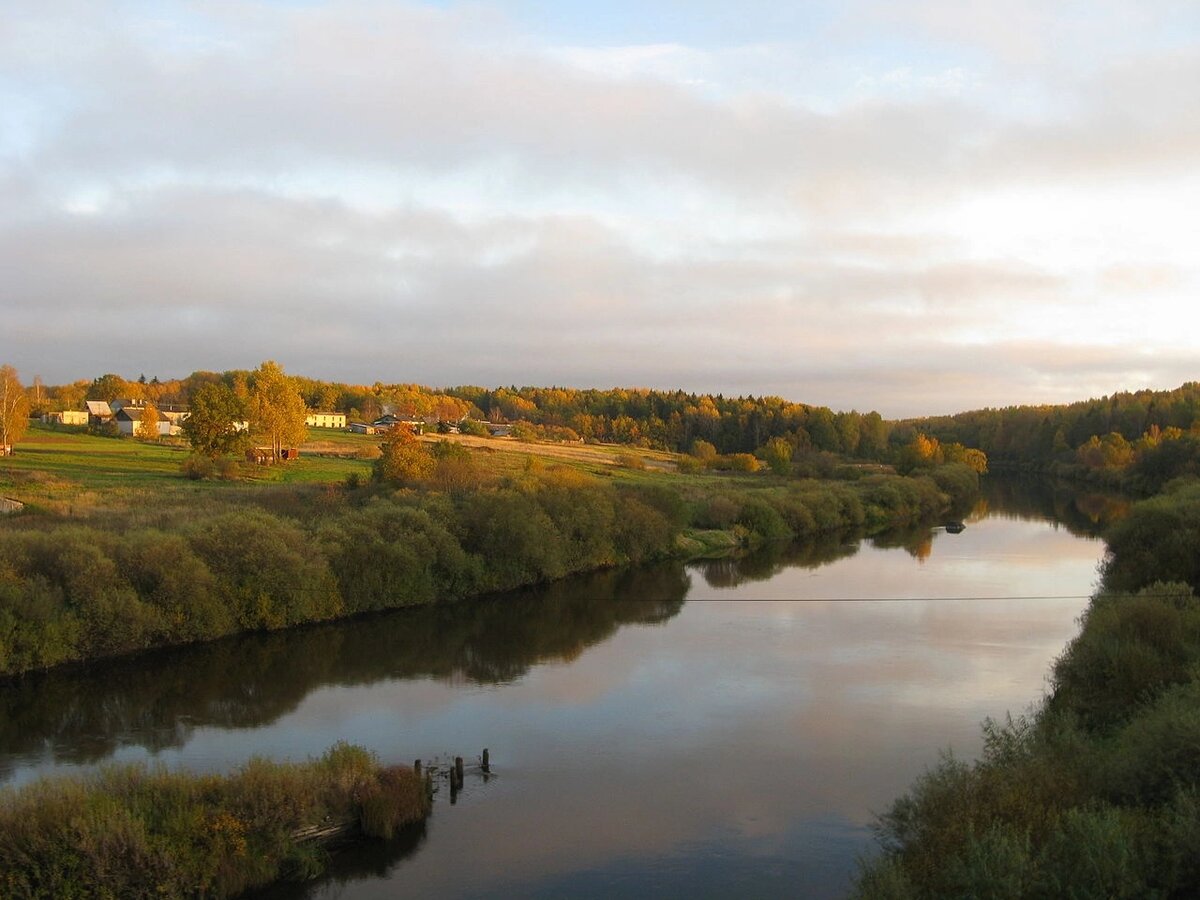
{"points": [[726, 728]]}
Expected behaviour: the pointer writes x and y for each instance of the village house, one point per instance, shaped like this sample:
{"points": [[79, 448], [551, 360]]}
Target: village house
{"points": [[389, 421], [66, 417], [98, 412], [325, 420], [128, 418]]}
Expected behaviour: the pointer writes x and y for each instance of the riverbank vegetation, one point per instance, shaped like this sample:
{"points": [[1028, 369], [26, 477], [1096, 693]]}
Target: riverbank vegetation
{"points": [[167, 573], [1097, 793], [135, 831]]}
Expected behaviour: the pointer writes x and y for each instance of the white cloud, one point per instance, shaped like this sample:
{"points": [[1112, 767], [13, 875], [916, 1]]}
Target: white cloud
{"points": [[817, 215]]}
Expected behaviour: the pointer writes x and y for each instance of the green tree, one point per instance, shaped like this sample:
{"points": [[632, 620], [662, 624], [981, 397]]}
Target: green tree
{"points": [[454, 467], [214, 424], [276, 409], [109, 387], [777, 453], [14, 408]]}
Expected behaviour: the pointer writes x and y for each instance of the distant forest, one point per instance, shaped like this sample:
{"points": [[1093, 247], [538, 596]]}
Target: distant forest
{"points": [[1137, 440], [1146, 435]]}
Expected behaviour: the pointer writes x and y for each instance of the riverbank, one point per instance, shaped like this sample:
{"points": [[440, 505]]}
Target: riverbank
{"points": [[161, 575], [134, 831], [1097, 793]]}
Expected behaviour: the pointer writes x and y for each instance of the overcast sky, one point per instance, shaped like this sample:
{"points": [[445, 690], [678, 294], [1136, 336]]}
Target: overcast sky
{"points": [[912, 207]]}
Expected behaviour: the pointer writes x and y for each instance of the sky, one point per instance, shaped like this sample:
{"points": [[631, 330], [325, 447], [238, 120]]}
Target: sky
{"points": [[917, 207]]}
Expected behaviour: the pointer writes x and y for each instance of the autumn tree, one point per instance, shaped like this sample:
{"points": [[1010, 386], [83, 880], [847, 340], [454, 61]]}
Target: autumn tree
{"points": [[147, 426], [14, 408], [956, 452], [38, 399], [704, 451], [922, 451], [214, 424], [276, 409]]}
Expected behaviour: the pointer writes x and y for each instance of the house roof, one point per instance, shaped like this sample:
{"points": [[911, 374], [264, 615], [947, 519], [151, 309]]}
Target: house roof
{"points": [[98, 407]]}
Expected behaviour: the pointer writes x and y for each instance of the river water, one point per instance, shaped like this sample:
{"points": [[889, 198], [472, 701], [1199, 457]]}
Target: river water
{"points": [[721, 729]]}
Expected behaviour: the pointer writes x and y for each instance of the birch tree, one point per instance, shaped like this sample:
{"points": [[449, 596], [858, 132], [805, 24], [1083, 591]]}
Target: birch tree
{"points": [[14, 408], [276, 409]]}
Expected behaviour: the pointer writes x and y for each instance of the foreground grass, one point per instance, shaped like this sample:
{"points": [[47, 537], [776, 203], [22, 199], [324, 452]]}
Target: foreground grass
{"points": [[132, 831], [1097, 794]]}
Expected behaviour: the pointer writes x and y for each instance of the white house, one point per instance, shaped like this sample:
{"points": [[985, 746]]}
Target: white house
{"points": [[66, 417], [128, 419]]}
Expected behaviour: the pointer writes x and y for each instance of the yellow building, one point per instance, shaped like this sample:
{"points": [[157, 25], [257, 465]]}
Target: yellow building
{"points": [[325, 420]]}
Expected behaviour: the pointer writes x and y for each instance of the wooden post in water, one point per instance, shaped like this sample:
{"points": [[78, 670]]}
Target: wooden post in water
{"points": [[458, 771], [485, 766]]}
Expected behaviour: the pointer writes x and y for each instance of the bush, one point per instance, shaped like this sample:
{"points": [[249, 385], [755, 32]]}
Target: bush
{"points": [[268, 572], [1129, 649], [627, 460], [1157, 541], [197, 467], [132, 831]]}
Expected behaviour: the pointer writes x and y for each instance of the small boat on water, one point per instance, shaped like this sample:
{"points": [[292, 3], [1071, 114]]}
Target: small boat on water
{"points": [[955, 527]]}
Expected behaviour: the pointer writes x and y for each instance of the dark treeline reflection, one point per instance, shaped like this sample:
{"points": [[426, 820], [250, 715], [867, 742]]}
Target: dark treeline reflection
{"points": [[368, 859], [156, 700], [771, 559], [1082, 513]]}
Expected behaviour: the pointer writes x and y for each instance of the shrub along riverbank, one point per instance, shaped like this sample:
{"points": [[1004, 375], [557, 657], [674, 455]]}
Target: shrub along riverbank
{"points": [[268, 559], [132, 831], [1097, 794]]}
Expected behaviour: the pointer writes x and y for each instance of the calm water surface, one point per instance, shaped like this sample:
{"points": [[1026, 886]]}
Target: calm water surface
{"points": [[722, 729]]}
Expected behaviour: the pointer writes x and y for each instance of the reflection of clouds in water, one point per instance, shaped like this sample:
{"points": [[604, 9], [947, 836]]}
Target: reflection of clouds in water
{"points": [[994, 558]]}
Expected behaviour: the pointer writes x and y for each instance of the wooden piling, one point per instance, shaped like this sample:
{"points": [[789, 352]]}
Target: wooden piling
{"points": [[458, 770], [484, 765]]}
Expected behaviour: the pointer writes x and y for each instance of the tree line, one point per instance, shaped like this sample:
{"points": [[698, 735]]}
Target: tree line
{"points": [[1139, 439]]}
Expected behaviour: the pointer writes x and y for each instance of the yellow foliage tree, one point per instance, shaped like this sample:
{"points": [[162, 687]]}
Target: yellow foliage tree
{"points": [[14, 408], [147, 427], [276, 409]]}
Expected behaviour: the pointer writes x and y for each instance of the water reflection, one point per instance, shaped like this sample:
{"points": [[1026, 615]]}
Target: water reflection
{"points": [[736, 749], [1082, 513], [158, 701], [375, 860], [771, 559]]}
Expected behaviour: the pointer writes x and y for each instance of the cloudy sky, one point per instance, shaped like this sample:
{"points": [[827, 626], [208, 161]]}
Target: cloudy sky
{"points": [[913, 207]]}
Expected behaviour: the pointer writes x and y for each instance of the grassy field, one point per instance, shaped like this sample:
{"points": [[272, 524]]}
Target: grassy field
{"points": [[71, 472]]}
